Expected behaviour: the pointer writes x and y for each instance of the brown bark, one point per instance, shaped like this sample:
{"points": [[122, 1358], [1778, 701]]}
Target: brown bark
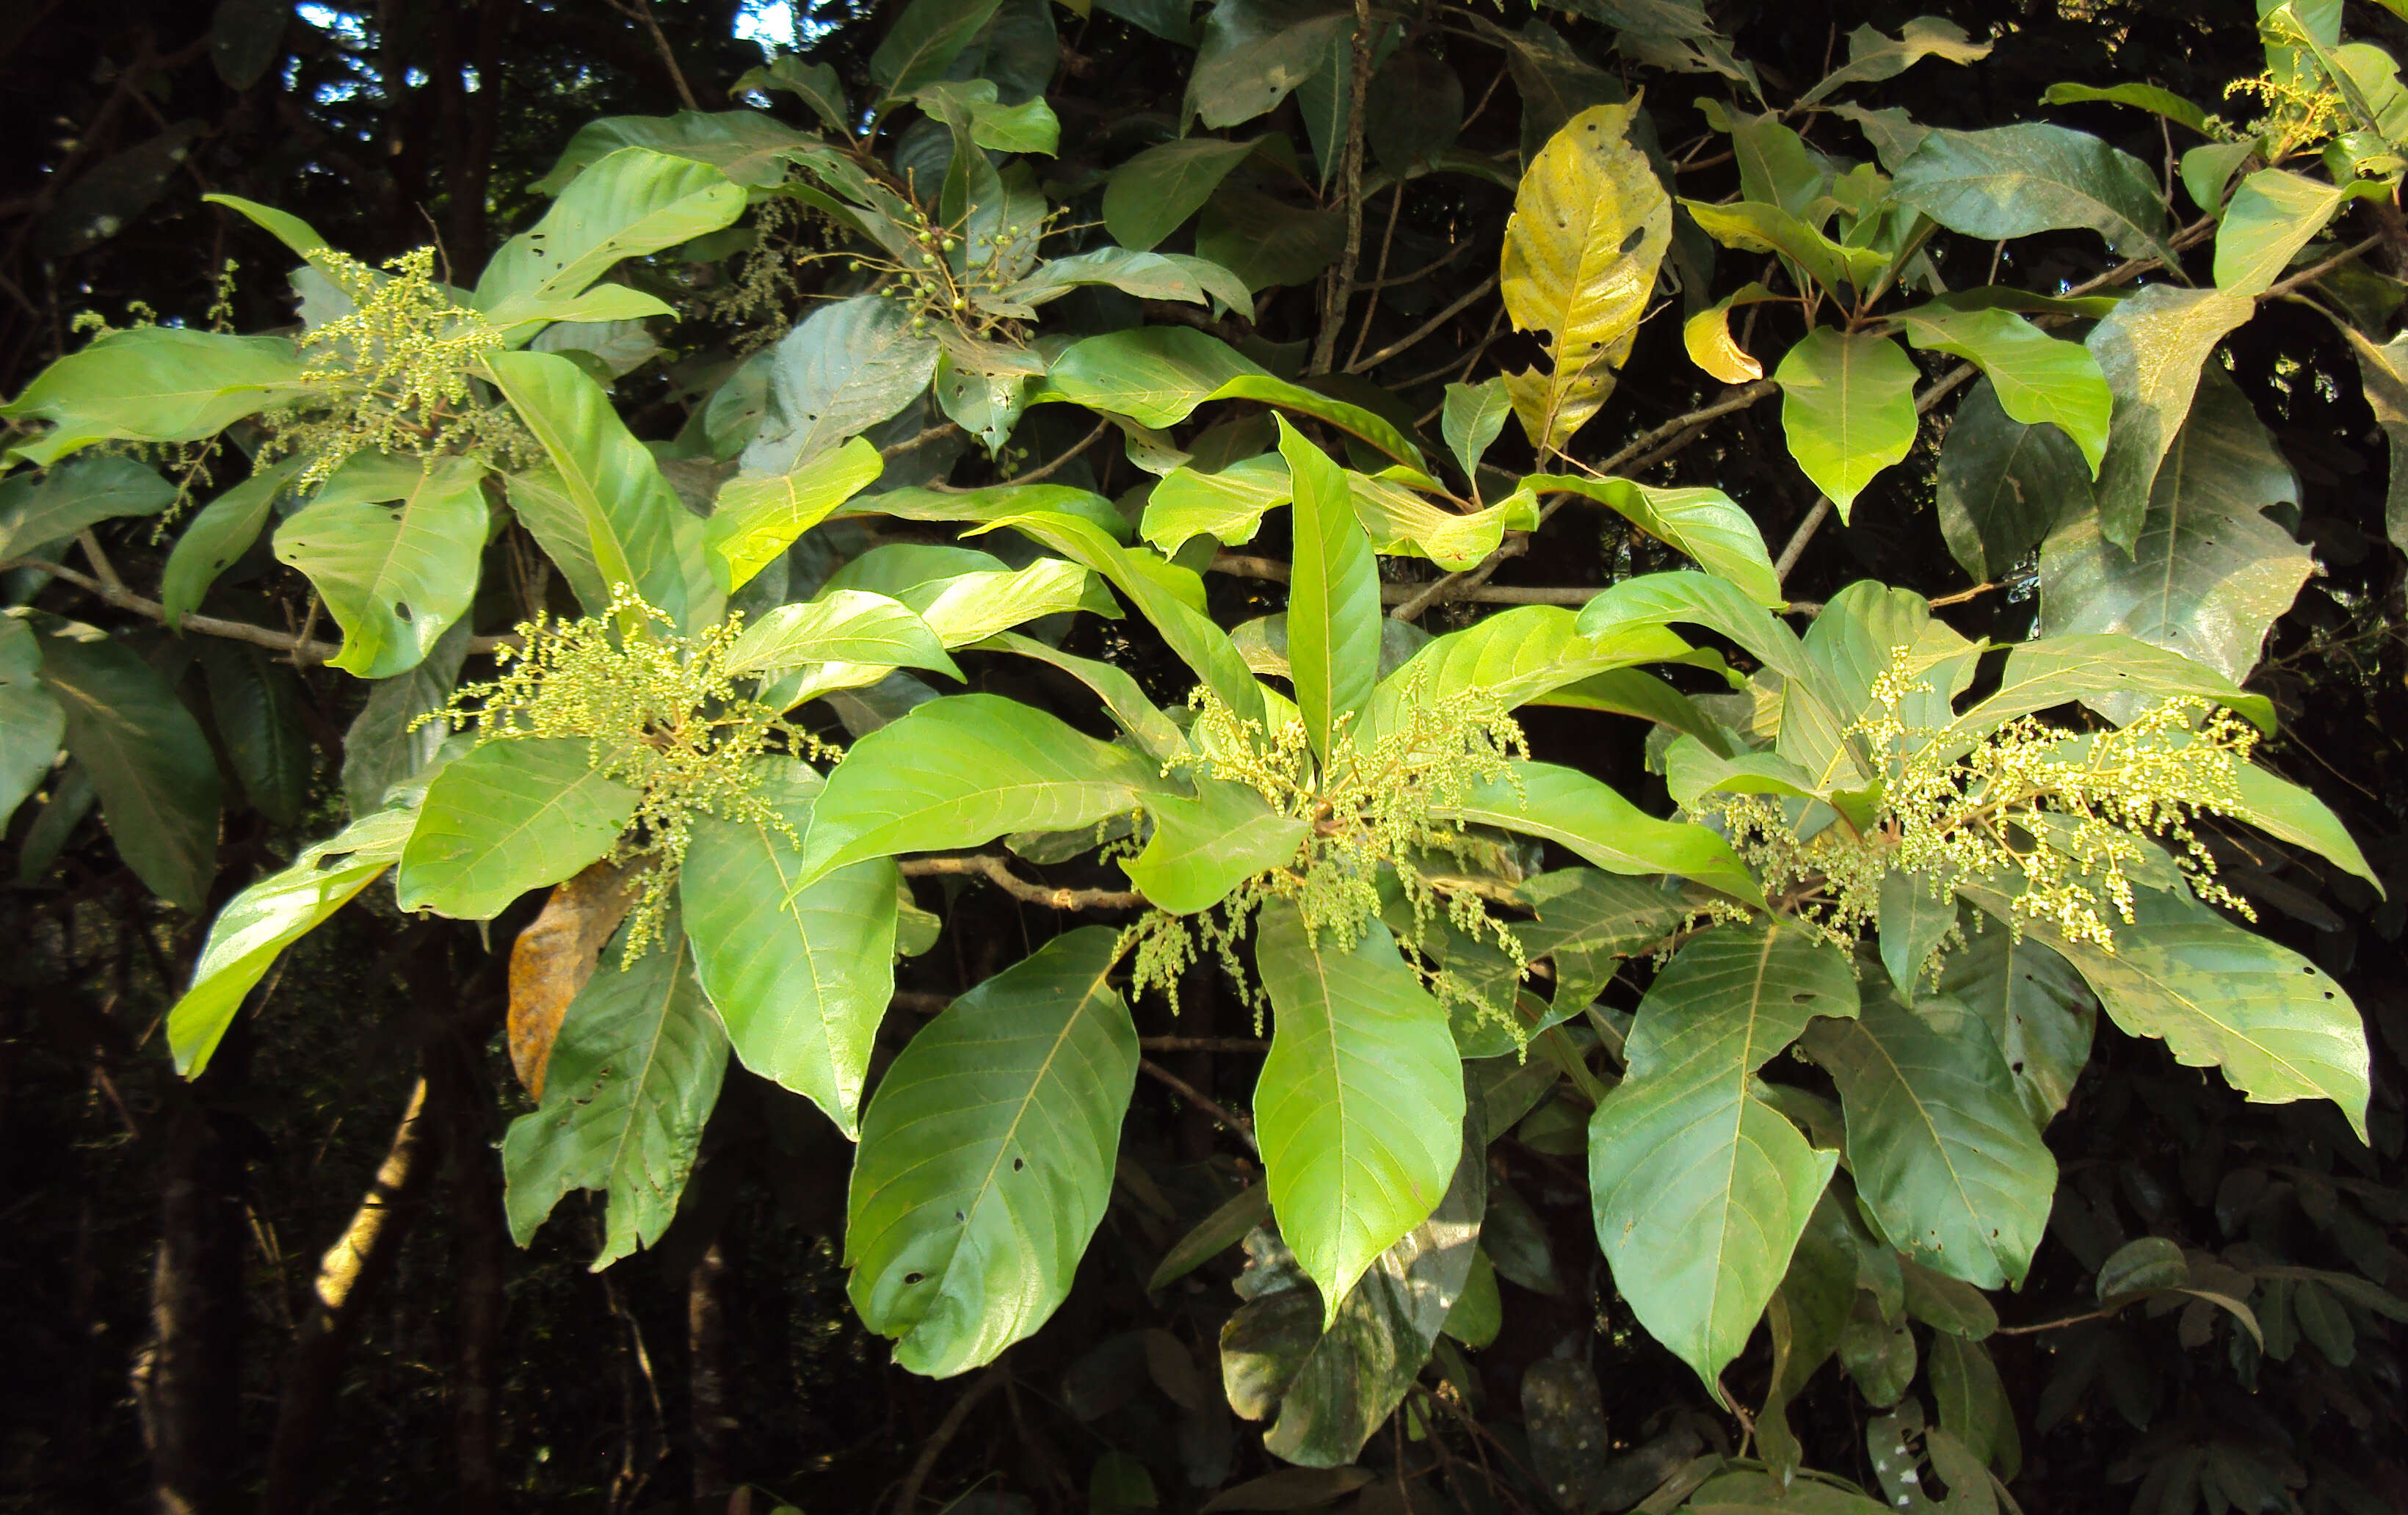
{"points": [[472, 171], [348, 1280], [187, 1383], [706, 1322]]}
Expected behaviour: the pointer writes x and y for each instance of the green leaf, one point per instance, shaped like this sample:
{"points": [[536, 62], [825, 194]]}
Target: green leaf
{"points": [[986, 1158], [1253, 52], [1333, 617], [255, 705], [632, 1079], [379, 748], [2272, 215], [755, 519], [1973, 1403], [1873, 57], [1230, 504], [1912, 924], [986, 405], [392, 544], [2151, 349], [1473, 416], [2290, 813], [157, 778], [1360, 1105], [813, 83], [844, 370], [1700, 1188], [1754, 226], [1581, 814], [2060, 671], [800, 976], [2384, 371], [2003, 485], [2038, 1008], [540, 500], [1161, 592], [1030, 127], [2139, 96], [1847, 408], [32, 723], [1402, 520], [1265, 241], [1149, 197], [981, 599], [1154, 375], [2220, 996], [1147, 275], [749, 146], [632, 202], [2140, 1264], [1588, 923], [257, 924], [296, 235], [2207, 575], [223, 531], [54, 505], [1937, 1138], [1215, 1234], [631, 512], [1205, 847], [509, 817], [923, 42], [153, 384], [2012, 181], [993, 503], [1703, 523], [841, 626], [1590, 223], [1153, 732], [962, 771], [1518, 657], [2036, 378]]}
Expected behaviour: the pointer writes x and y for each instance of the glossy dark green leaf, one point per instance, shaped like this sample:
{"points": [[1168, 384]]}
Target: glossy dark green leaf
{"points": [[1973, 1403], [32, 726], [257, 705], [986, 1158], [1253, 52], [509, 817], [2012, 181], [1266, 241], [2037, 1009], [632, 1079], [923, 42], [1700, 1188], [844, 368], [221, 531], [245, 39], [157, 778], [1151, 194], [2004, 485]]}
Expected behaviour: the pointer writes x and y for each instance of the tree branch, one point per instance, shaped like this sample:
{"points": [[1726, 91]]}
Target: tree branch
{"points": [[1341, 279], [1243, 1128], [998, 872]]}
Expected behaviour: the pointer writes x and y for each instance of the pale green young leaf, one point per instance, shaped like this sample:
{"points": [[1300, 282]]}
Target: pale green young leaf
{"points": [[257, 924], [629, 508], [2272, 215], [1359, 1110], [1703, 523], [2151, 347], [157, 778], [1754, 226], [1402, 520], [153, 384], [800, 976], [964, 770], [1517, 657], [631, 1081], [1229, 503], [1847, 408], [391, 545], [508, 817], [986, 1158], [2036, 378], [2290, 813], [1333, 618], [223, 531], [1701, 1190], [1474, 417], [631, 203], [1938, 1140], [845, 626], [754, 520], [1873, 57], [297, 236], [1586, 816]]}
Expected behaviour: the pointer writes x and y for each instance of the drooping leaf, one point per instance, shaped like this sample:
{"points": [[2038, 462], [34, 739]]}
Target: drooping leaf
{"points": [[1402, 520], [1712, 345], [2147, 97], [554, 957], [1941, 1151], [1586, 816], [380, 749], [391, 545], [632, 202], [1149, 197], [2151, 349], [800, 976], [32, 723], [2271, 215], [223, 531], [1229, 503], [1147, 275], [813, 83], [2384, 371], [749, 146], [1703, 523], [153, 384], [2208, 574], [1973, 1403], [2004, 485], [508, 817], [2012, 181], [256, 706], [157, 778], [755, 519], [1847, 408], [631, 513], [257, 924], [2035, 377], [2059, 670], [1360, 1105], [631, 1077], [1700, 1188], [1590, 223], [962, 771], [844, 368], [1755, 226], [2039, 1010], [2277, 1026], [986, 1158]]}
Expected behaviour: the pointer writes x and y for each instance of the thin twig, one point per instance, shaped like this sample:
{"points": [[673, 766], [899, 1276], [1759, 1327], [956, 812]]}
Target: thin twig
{"points": [[1964, 594], [1202, 1044], [2309, 275], [1238, 1124], [231, 631], [100, 564], [642, 11], [1059, 464], [998, 872], [1421, 332], [922, 1465], [1379, 276], [909, 443], [1341, 279], [1240, 565], [1799, 538], [2052, 1325]]}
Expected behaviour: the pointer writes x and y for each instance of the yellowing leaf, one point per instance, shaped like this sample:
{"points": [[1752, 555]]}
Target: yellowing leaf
{"points": [[1590, 224]]}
